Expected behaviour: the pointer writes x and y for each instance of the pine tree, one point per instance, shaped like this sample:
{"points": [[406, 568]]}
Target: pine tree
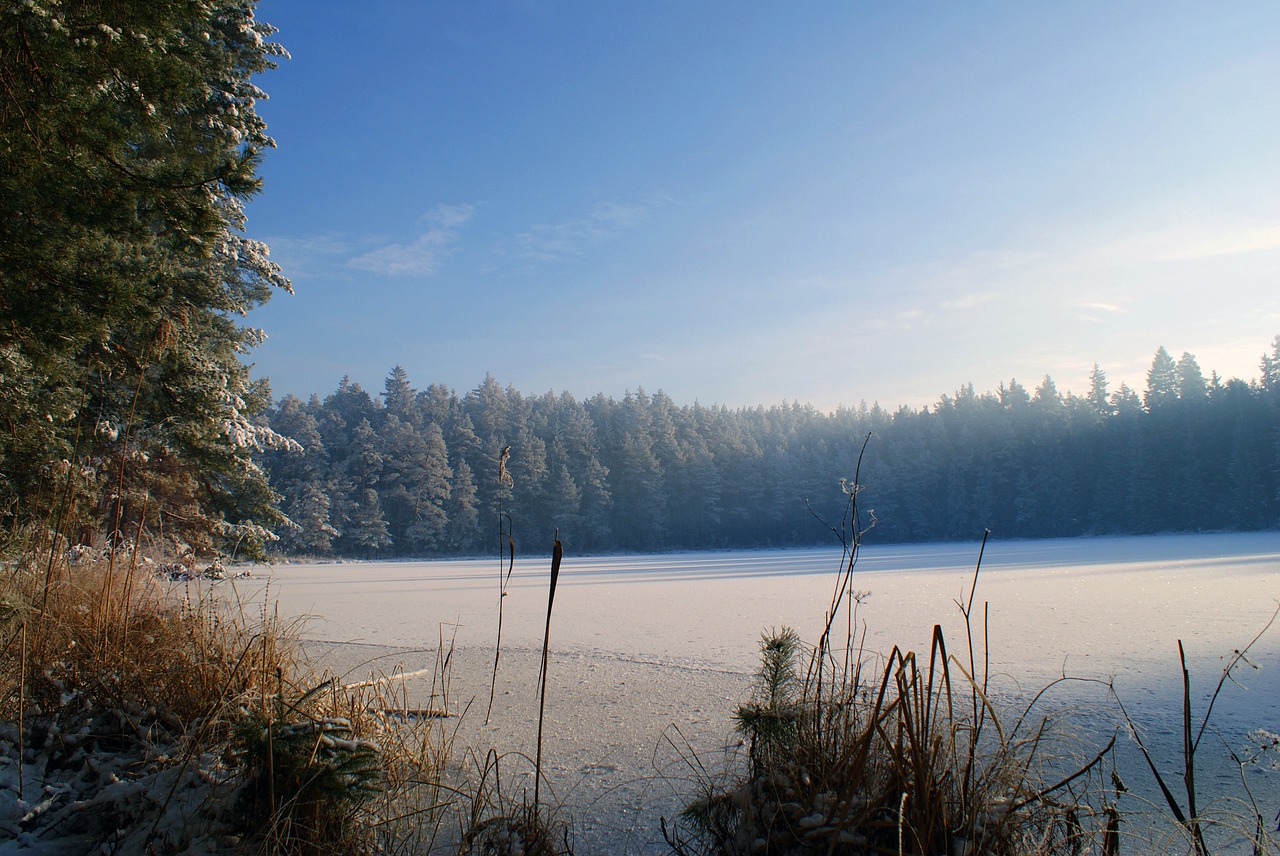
{"points": [[364, 466], [311, 532], [366, 533], [1047, 397], [436, 404], [639, 500], [694, 502], [563, 502], [1162, 380], [1270, 366], [347, 407], [595, 505], [429, 529], [1248, 493], [130, 143], [462, 511], [461, 438], [528, 469], [398, 398], [1125, 402], [1191, 383], [300, 478], [487, 407], [1097, 397], [1014, 397], [404, 453], [1271, 385]]}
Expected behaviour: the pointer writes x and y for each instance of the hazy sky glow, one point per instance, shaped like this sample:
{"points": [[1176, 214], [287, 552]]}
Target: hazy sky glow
{"points": [[741, 203]]}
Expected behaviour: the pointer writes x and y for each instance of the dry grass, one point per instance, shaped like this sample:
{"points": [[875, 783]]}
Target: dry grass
{"points": [[496, 820], [154, 717], [889, 760], [909, 757], [106, 631]]}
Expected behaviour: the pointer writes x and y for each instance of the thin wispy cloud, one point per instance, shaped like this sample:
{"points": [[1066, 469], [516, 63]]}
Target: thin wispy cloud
{"points": [[423, 255], [1230, 244], [309, 256], [1092, 317], [969, 301], [1101, 307], [902, 320], [550, 242], [1182, 241]]}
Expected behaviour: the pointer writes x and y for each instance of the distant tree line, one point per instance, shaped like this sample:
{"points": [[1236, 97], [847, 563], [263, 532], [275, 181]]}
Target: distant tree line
{"points": [[416, 473]]}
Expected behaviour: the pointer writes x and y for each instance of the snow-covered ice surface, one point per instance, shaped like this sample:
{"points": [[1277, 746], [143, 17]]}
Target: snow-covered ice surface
{"points": [[650, 654]]}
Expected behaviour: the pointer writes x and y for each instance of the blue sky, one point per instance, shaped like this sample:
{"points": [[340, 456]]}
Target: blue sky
{"points": [[745, 203]]}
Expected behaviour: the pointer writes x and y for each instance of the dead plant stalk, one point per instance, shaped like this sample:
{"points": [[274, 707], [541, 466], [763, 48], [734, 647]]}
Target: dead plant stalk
{"points": [[557, 553]]}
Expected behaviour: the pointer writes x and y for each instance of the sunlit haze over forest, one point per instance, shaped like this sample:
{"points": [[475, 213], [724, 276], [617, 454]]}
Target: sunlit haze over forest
{"points": [[742, 204]]}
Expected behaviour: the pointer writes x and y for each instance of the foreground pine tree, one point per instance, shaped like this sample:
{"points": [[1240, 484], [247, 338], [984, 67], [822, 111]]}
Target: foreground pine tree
{"points": [[128, 144]]}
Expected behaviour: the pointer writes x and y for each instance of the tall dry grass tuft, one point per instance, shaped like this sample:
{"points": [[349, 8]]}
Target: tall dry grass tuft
{"points": [[844, 756], [148, 716], [890, 764], [103, 632], [496, 821]]}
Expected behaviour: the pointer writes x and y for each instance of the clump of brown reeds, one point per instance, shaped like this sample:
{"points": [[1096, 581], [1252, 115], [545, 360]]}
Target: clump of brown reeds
{"points": [[144, 714], [886, 762], [910, 757]]}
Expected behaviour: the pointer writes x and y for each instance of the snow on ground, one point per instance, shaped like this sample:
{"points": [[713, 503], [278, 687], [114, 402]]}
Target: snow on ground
{"points": [[651, 654]]}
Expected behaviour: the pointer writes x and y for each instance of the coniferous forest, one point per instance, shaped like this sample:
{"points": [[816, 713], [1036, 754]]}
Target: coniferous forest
{"points": [[412, 472]]}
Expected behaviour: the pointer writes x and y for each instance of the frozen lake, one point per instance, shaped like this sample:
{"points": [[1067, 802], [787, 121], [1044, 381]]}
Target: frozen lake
{"points": [[644, 645]]}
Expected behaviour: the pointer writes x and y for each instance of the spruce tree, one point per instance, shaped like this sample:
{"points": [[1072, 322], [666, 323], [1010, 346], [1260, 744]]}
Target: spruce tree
{"points": [[1271, 368], [563, 501], [1014, 397], [1047, 398], [1162, 380], [1097, 397], [366, 533], [398, 399], [594, 505], [429, 529], [462, 515], [1191, 383], [404, 455], [1125, 402]]}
